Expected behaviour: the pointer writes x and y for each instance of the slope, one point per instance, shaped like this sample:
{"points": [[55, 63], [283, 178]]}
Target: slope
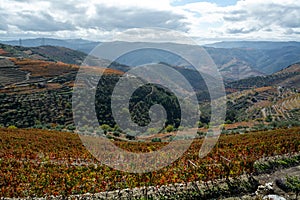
{"points": [[271, 98], [76, 44]]}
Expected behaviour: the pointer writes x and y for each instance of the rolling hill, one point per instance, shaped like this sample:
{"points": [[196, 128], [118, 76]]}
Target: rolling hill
{"points": [[76, 44], [47, 53], [273, 98], [235, 60], [25, 82], [233, 63], [287, 77]]}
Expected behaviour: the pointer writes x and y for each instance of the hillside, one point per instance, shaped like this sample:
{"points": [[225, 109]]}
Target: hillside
{"points": [[37, 94], [287, 77], [39, 163], [42, 91], [290, 69], [48, 53], [233, 63], [264, 104], [235, 60], [261, 61], [20, 73], [272, 98], [26, 82], [76, 44]]}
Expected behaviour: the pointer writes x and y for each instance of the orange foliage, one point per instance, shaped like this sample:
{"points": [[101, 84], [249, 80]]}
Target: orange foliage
{"points": [[52, 69], [47, 162], [2, 52], [44, 68], [263, 89]]}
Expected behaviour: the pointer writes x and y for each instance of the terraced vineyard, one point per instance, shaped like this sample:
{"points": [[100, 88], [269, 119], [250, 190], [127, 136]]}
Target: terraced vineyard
{"points": [[291, 103], [39, 163], [287, 108], [266, 103], [26, 110], [9, 73], [38, 93]]}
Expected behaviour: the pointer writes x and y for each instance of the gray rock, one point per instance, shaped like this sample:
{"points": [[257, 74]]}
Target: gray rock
{"points": [[274, 197]]}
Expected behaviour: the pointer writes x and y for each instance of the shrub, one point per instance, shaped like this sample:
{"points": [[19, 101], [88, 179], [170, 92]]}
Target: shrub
{"points": [[116, 133], [71, 127], [152, 130], [12, 127], [228, 122], [130, 137], [269, 118], [117, 128], [156, 140], [200, 133], [200, 124], [225, 132], [38, 126], [180, 128], [169, 128], [293, 183], [48, 126], [109, 137], [59, 127], [105, 128]]}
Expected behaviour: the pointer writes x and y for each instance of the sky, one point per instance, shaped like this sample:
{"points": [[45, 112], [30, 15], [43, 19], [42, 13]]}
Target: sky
{"points": [[204, 21]]}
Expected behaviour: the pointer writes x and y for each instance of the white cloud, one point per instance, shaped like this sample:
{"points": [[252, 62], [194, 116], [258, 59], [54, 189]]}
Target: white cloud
{"points": [[100, 19], [248, 19]]}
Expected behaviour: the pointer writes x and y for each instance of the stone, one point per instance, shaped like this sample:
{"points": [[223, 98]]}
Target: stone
{"points": [[274, 197]]}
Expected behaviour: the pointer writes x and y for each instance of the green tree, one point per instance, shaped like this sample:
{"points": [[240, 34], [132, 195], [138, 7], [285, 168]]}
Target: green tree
{"points": [[200, 124], [169, 128], [156, 140], [269, 118], [105, 128]]}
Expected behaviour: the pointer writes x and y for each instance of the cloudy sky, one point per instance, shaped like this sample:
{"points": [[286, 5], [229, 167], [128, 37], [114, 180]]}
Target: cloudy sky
{"points": [[204, 21]]}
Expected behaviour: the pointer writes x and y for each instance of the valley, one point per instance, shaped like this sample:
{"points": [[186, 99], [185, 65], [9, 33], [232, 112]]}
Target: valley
{"points": [[41, 153], [149, 100]]}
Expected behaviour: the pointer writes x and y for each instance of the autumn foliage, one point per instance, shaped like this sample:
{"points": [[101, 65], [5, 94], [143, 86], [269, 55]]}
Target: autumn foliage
{"points": [[39, 163]]}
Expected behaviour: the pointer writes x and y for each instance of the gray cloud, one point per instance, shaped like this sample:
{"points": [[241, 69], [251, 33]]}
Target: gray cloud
{"points": [[291, 19], [236, 15], [77, 16], [263, 17], [41, 22], [241, 30], [3, 24], [292, 31], [110, 18]]}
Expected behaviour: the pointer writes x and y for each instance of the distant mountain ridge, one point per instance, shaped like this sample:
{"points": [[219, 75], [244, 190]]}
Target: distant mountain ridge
{"points": [[76, 44], [263, 58], [266, 61], [288, 77], [233, 64], [253, 44]]}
